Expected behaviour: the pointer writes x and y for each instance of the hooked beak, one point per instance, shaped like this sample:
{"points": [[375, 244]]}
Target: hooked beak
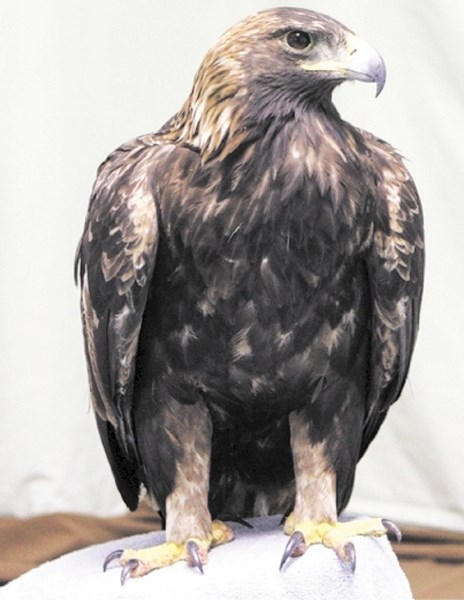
{"points": [[359, 62]]}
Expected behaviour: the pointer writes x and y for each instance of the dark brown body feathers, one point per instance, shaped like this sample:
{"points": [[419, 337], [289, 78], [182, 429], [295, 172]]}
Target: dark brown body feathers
{"points": [[229, 284]]}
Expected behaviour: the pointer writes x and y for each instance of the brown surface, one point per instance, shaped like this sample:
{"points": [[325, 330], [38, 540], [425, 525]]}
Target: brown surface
{"points": [[433, 560], [434, 580], [27, 543]]}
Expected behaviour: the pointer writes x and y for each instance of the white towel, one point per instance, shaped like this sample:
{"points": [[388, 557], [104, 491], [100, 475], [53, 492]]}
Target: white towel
{"points": [[245, 569]]}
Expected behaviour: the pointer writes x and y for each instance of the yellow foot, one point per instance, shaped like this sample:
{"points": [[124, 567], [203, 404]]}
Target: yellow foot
{"points": [[136, 563], [335, 535]]}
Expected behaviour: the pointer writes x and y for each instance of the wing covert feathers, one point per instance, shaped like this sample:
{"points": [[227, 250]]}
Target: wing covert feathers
{"points": [[116, 260], [395, 273]]}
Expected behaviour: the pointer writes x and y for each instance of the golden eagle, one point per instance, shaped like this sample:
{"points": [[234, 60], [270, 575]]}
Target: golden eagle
{"points": [[251, 279]]}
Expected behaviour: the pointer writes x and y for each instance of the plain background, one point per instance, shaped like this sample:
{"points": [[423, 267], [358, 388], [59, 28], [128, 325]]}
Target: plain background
{"points": [[79, 77]]}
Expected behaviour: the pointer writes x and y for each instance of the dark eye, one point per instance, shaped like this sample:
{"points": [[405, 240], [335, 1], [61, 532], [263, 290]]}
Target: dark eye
{"points": [[299, 40]]}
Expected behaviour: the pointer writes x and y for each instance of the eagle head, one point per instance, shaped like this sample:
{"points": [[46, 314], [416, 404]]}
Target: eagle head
{"points": [[271, 64]]}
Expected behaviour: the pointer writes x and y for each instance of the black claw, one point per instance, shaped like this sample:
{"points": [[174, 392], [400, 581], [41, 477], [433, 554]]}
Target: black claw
{"points": [[113, 556], [193, 553], [241, 521], [393, 529], [128, 569], [235, 519], [285, 515], [295, 542]]}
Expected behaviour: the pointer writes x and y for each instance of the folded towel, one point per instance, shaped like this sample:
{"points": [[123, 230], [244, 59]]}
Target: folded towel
{"points": [[245, 569]]}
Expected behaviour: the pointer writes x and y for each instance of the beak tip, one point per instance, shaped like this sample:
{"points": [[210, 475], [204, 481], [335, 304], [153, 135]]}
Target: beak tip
{"points": [[380, 77], [380, 84], [366, 64]]}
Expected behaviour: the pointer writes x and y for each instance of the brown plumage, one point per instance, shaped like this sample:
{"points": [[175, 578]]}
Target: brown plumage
{"points": [[251, 280]]}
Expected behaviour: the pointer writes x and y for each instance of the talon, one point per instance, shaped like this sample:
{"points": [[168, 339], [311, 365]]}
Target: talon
{"points": [[127, 570], [393, 529], [348, 555], [243, 522], [236, 519], [285, 516], [193, 555], [113, 556], [295, 547]]}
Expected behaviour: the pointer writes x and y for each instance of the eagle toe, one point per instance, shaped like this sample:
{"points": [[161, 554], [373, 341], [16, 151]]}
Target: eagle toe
{"points": [[334, 535]]}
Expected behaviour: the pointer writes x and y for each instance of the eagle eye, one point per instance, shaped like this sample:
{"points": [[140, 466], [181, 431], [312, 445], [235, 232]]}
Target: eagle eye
{"points": [[299, 40]]}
